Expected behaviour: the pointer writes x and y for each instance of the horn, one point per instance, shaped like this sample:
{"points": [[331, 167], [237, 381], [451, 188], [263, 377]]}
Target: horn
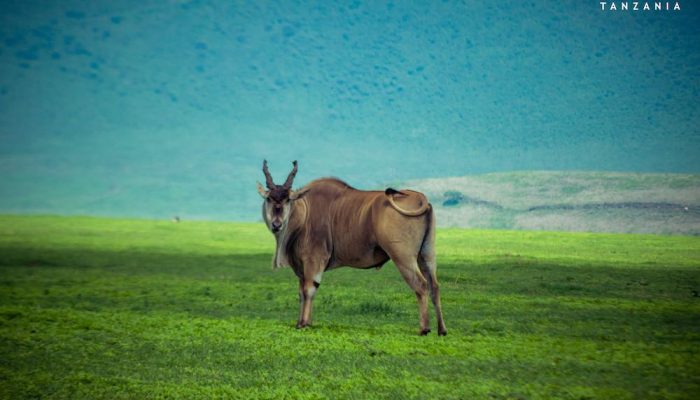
{"points": [[268, 178], [290, 178]]}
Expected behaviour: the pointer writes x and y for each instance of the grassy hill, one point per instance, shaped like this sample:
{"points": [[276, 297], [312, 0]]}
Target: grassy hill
{"points": [[154, 108], [105, 308], [554, 201], [568, 201]]}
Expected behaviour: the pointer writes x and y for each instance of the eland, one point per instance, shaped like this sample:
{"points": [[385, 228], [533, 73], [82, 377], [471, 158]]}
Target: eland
{"points": [[329, 224]]}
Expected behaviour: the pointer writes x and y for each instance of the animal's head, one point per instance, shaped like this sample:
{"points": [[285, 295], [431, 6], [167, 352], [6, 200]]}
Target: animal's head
{"points": [[279, 200]]}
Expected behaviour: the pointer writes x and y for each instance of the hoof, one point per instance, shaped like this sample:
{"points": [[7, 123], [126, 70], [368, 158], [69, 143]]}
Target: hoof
{"points": [[424, 331], [442, 333], [302, 325]]}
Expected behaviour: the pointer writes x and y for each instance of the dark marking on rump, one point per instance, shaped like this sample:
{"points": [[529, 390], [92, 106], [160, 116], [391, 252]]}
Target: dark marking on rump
{"points": [[390, 191]]}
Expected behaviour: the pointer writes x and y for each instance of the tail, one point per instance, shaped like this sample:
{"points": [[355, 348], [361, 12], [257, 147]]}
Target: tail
{"points": [[427, 248], [428, 267], [424, 204]]}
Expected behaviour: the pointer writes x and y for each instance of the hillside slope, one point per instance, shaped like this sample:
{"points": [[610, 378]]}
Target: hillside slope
{"points": [[159, 108], [568, 201]]}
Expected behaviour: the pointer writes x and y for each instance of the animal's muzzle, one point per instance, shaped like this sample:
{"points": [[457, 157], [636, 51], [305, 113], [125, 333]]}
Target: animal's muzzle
{"points": [[275, 226]]}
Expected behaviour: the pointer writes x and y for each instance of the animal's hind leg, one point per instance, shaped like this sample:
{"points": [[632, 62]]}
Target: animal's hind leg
{"points": [[302, 302], [408, 267], [429, 268]]}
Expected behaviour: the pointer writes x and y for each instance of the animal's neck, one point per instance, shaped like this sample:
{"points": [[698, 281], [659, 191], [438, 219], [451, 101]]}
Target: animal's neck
{"points": [[285, 239]]}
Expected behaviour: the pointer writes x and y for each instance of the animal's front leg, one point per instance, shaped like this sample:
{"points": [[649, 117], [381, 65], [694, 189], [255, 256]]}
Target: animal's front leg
{"points": [[308, 285], [307, 291]]}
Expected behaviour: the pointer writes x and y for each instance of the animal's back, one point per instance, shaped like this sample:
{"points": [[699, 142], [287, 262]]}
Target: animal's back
{"points": [[363, 225]]}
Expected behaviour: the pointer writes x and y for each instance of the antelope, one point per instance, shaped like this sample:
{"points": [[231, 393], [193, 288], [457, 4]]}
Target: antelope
{"points": [[329, 224]]}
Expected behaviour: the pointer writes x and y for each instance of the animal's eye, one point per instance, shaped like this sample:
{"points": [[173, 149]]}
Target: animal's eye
{"points": [[267, 199]]}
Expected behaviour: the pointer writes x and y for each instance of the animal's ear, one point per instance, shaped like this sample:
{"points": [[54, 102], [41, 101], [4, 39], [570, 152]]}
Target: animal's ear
{"points": [[296, 195], [262, 191]]}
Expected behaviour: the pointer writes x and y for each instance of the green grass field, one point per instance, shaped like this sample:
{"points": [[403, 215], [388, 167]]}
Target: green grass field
{"points": [[106, 308]]}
